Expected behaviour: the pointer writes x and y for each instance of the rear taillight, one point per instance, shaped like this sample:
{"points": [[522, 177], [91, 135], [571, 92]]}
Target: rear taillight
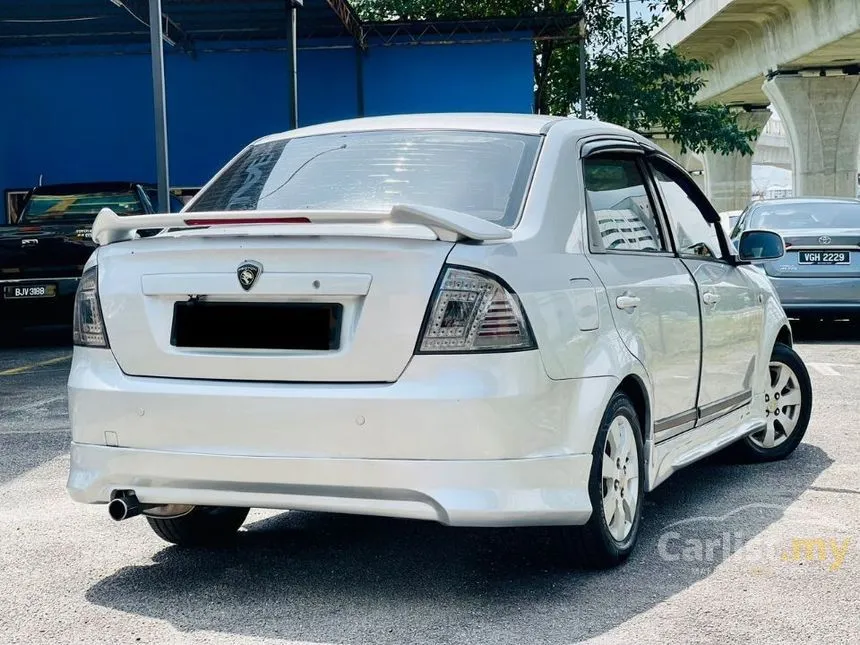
{"points": [[474, 312], [88, 328]]}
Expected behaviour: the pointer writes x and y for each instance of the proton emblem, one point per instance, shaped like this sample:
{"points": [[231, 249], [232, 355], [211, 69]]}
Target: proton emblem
{"points": [[248, 272], [824, 239]]}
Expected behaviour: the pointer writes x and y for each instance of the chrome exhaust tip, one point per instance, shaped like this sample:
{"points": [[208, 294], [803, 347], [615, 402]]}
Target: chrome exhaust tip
{"points": [[124, 505]]}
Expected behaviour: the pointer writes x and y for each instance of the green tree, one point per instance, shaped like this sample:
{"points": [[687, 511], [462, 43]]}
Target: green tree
{"points": [[631, 80]]}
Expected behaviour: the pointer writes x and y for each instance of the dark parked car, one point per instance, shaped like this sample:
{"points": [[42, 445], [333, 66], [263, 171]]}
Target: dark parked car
{"points": [[819, 275], [43, 255]]}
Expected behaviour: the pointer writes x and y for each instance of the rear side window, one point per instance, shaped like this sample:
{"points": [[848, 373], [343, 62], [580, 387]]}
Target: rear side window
{"points": [[623, 217], [484, 174]]}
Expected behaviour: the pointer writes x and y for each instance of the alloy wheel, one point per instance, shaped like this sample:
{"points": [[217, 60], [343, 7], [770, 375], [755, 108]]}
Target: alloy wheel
{"points": [[620, 478], [783, 403]]}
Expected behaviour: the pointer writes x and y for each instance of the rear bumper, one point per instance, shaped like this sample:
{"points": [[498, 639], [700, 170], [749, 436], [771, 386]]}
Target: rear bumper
{"points": [[812, 294], [458, 493], [486, 440]]}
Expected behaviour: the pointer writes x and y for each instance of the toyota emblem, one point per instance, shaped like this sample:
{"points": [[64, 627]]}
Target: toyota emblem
{"points": [[248, 272], [824, 239]]}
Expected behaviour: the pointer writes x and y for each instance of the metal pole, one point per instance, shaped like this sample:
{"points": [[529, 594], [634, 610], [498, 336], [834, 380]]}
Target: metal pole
{"points": [[157, 54], [294, 70], [583, 90], [359, 80], [629, 49]]}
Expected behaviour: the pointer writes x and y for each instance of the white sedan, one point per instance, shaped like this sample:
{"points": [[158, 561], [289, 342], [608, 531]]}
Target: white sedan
{"points": [[479, 320]]}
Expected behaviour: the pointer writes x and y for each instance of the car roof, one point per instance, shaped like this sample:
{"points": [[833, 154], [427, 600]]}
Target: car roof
{"points": [[86, 187], [528, 124], [808, 200]]}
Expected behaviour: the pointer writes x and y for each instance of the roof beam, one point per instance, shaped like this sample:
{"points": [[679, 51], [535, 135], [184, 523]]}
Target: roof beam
{"points": [[173, 34], [351, 21], [559, 27]]}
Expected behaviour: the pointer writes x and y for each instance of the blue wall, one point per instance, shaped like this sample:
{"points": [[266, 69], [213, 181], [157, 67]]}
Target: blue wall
{"points": [[89, 117], [491, 77]]}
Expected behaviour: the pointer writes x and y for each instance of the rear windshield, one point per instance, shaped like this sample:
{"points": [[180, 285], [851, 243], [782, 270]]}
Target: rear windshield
{"points": [[785, 217], [76, 207], [480, 173]]}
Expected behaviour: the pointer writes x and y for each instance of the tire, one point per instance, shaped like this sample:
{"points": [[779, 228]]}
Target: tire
{"points": [[601, 544], [202, 526], [786, 422]]}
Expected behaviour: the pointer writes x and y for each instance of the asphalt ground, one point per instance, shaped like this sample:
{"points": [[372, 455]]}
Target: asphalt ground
{"points": [[728, 553]]}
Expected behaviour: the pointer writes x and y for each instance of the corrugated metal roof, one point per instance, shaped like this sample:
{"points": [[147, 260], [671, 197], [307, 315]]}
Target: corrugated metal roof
{"points": [[55, 23], [102, 22]]}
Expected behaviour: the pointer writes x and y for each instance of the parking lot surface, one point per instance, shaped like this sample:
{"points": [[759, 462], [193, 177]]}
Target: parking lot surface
{"points": [[729, 553]]}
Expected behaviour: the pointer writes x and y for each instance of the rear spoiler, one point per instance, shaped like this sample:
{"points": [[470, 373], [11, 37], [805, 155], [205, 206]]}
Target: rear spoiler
{"points": [[446, 225]]}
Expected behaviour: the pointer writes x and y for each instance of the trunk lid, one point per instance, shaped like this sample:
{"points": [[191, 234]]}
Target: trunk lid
{"points": [[161, 298], [45, 251], [801, 243]]}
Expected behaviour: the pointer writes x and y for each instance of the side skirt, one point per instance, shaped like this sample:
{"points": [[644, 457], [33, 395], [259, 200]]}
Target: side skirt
{"points": [[670, 455]]}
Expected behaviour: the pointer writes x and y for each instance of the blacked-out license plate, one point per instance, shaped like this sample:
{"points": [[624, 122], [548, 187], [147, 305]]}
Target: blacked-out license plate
{"points": [[824, 257], [19, 292]]}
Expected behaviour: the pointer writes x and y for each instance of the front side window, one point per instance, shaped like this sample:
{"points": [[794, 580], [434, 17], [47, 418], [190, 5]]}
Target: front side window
{"points": [[484, 174], [152, 195], [623, 219], [741, 223], [694, 235]]}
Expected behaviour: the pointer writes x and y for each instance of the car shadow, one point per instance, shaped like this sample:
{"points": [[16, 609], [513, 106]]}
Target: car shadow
{"points": [[37, 337], [24, 451], [34, 424], [808, 330], [345, 579]]}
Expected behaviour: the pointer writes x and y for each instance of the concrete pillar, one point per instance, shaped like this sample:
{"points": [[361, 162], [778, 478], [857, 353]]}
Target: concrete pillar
{"points": [[822, 119], [729, 177], [689, 160], [674, 150], [696, 167]]}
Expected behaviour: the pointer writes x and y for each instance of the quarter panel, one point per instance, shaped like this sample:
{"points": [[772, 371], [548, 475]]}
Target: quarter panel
{"points": [[559, 307]]}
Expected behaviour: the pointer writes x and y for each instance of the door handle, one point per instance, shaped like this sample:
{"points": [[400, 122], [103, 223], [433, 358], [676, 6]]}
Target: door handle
{"points": [[627, 302], [710, 298]]}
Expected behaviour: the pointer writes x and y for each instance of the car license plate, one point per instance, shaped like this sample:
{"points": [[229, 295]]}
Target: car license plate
{"points": [[824, 257], [19, 292]]}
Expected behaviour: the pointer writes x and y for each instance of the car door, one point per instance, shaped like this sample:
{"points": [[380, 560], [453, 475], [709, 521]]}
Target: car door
{"points": [[732, 313], [651, 293]]}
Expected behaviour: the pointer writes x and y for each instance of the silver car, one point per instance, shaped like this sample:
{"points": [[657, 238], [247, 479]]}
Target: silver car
{"points": [[819, 275], [478, 320]]}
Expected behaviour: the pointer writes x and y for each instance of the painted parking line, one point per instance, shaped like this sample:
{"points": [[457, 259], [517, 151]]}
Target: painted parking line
{"points": [[32, 366], [825, 369], [35, 405]]}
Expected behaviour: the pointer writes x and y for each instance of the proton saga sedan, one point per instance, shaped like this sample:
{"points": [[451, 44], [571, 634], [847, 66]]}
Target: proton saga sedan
{"points": [[472, 319]]}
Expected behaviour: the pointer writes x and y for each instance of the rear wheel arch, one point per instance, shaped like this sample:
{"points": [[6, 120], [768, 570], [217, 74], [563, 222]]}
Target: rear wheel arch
{"points": [[636, 391]]}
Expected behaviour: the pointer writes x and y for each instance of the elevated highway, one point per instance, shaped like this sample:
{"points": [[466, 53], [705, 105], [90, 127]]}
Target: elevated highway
{"points": [[801, 57]]}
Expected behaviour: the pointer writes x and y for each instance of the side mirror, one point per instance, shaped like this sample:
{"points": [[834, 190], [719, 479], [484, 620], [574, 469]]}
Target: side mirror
{"points": [[760, 245]]}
